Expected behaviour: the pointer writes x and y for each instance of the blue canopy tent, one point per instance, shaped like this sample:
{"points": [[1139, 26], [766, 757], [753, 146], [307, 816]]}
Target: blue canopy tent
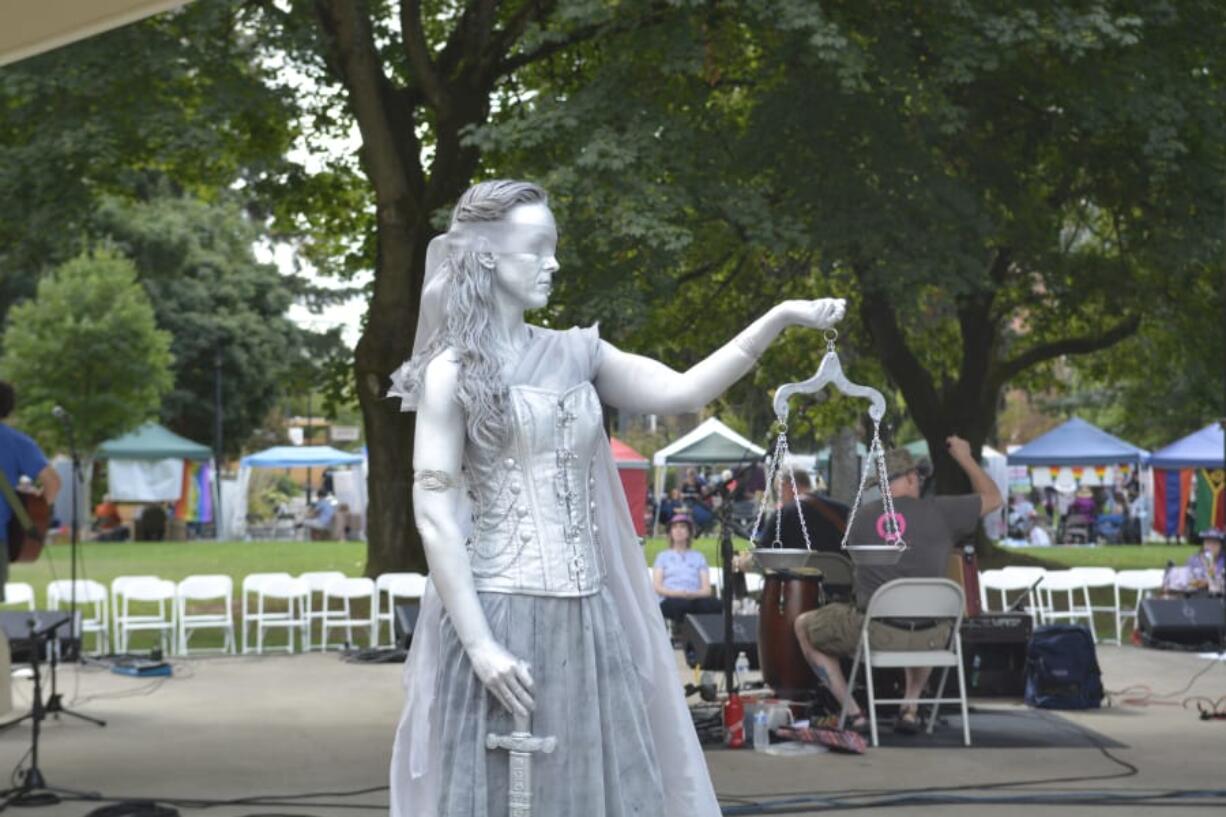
{"points": [[282, 456], [1200, 449], [1077, 442], [300, 456]]}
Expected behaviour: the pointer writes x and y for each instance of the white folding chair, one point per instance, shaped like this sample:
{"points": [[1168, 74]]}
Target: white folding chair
{"points": [[251, 586], [205, 588], [117, 585], [914, 599], [348, 591], [754, 582], [1142, 582], [146, 591], [318, 581], [18, 593], [386, 612], [716, 575], [1032, 576], [89, 594], [407, 588], [296, 596], [1101, 577], [1067, 582], [1011, 587]]}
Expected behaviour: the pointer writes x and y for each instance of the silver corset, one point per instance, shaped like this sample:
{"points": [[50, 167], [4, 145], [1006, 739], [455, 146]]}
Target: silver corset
{"points": [[534, 528]]}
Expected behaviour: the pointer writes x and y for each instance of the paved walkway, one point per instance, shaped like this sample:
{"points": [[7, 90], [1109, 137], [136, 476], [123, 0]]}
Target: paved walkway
{"points": [[226, 728]]}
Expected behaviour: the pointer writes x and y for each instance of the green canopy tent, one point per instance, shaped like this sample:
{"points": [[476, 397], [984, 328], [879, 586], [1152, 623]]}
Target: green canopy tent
{"points": [[152, 464]]}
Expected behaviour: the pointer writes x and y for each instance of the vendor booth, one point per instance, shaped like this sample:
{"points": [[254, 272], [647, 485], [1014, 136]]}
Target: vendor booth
{"points": [[152, 465], [711, 443], [1190, 468], [1079, 455], [349, 487]]}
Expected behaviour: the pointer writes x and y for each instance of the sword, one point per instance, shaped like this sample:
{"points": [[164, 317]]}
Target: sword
{"points": [[521, 744]]}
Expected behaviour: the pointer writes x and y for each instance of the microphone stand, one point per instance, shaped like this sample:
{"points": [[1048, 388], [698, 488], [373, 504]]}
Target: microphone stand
{"points": [[32, 790], [727, 553], [55, 701]]}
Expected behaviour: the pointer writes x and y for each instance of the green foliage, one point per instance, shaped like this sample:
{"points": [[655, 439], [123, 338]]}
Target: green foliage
{"points": [[995, 186], [196, 261], [188, 96], [88, 342]]}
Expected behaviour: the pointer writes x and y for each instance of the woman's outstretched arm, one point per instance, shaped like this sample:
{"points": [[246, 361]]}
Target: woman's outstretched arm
{"points": [[438, 452], [645, 386]]}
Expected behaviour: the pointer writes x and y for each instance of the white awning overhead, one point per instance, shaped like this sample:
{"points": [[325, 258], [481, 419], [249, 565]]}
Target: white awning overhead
{"points": [[28, 28], [709, 444]]}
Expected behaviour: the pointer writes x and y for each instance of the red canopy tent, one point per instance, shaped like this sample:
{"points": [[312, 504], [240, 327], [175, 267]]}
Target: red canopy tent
{"points": [[632, 468]]}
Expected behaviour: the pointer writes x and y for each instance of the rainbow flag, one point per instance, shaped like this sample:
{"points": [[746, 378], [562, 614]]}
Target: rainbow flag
{"points": [[196, 500]]}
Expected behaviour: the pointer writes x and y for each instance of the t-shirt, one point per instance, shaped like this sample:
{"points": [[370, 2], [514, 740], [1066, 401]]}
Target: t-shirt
{"points": [[19, 457], [683, 569], [930, 526], [824, 536]]}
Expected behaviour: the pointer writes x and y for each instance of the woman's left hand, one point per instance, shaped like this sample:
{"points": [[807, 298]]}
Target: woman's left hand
{"points": [[822, 313]]}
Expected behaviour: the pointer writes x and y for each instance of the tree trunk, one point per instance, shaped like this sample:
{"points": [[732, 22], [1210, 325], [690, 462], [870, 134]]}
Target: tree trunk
{"points": [[844, 466]]}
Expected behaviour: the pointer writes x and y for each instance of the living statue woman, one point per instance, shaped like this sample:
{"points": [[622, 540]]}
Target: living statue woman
{"points": [[539, 619]]}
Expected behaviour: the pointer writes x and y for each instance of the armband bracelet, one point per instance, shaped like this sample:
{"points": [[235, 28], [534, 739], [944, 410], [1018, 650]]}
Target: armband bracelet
{"points": [[435, 480]]}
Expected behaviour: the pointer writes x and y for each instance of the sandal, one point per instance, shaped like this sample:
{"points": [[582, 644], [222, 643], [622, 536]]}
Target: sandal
{"points": [[859, 724], [908, 723]]}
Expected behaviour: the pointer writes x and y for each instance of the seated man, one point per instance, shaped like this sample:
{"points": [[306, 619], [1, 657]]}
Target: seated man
{"points": [[824, 519], [680, 575], [932, 526], [319, 518]]}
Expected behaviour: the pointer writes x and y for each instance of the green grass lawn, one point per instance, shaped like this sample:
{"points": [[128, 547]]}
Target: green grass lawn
{"points": [[103, 561]]}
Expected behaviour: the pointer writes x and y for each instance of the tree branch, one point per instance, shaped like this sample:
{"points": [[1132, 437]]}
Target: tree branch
{"points": [[515, 27], [578, 35], [902, 364], [1077, 345], [351, 48], [418, 52]]}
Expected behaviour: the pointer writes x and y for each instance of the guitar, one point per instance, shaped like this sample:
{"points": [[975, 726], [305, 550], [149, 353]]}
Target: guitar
{"points": [[26, 544]]}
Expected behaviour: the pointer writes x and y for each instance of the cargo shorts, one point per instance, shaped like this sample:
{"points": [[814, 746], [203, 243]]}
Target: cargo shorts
{"points": [[835, 630]]}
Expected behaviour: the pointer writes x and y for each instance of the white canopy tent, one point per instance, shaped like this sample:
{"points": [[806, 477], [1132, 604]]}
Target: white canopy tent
{"points": [[711, 443]]}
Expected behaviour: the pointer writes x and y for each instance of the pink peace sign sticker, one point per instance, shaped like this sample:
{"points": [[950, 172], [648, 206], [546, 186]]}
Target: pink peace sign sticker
{"points": [[899, 526]]}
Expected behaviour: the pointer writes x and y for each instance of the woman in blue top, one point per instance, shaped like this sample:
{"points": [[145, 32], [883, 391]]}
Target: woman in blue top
{"points": [[680, 577]]}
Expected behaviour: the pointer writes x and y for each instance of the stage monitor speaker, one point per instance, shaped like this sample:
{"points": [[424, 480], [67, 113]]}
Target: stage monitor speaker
{"points": [[405, 620], [1190, 622], [16, 625], [994, 654], [702, 639]]}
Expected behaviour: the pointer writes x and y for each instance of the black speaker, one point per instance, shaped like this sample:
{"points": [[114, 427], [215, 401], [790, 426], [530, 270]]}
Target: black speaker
{"points": [[702, 639], [16, 625], [405, 620], [1190, 622], [994, 654]]}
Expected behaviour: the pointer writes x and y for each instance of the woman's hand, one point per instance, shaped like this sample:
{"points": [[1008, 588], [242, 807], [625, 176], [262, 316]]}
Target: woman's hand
{"points": [[504, 675], [822, 313]]}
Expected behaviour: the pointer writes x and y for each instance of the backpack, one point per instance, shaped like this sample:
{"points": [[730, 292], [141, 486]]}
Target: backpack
{"points": [[1062, 669]]}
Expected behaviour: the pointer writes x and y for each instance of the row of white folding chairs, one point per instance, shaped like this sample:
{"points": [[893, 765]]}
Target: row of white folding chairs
{"points": [[298, 614], [1042, 589]]}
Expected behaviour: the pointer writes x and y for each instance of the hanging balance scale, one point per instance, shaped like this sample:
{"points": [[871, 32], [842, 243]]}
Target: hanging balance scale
{"points": [[775, 557]]}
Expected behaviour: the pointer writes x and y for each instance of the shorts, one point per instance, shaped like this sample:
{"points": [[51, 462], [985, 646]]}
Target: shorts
{"points": [[835, 630]]}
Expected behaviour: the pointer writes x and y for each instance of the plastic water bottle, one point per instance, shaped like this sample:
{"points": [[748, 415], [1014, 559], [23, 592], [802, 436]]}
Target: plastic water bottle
{"points": [[761, 730], [742, 670]]}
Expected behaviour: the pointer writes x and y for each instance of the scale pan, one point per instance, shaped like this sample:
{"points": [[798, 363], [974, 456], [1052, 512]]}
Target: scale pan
{"points": [[790, 560], [875, 555]]}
